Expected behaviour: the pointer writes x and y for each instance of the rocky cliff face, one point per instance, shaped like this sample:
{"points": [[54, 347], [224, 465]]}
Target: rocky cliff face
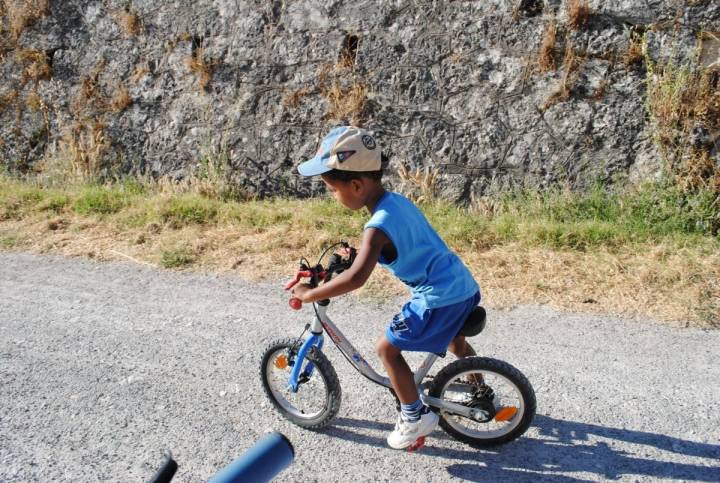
{"points": [[485, 93]]}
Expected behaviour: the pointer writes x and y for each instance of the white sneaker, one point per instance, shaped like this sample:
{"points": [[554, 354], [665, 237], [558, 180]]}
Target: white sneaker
{"points": [[406, 432]]}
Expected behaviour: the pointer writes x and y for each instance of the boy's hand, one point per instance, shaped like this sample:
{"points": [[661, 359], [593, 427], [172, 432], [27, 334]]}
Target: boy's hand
{"points": [[301, 290]]}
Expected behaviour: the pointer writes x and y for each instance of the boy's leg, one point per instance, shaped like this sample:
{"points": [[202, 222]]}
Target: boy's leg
{"points": [[399, 372], [416, 420], [461, 348]]}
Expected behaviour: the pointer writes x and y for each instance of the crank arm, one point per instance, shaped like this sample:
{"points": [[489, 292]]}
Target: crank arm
{"points": [[455, 408]]}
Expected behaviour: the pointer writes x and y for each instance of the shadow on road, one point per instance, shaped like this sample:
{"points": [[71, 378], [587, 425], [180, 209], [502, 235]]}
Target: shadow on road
{"points": [[564, 447]]}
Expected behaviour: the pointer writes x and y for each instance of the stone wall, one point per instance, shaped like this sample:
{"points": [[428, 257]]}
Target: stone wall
{"points": [[474, 90]]}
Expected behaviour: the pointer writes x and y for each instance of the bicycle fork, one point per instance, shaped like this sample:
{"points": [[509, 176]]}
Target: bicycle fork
{"points": [[316, 340]]}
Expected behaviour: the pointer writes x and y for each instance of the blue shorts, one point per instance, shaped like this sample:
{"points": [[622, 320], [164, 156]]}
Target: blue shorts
{"points": [[417, 328]]}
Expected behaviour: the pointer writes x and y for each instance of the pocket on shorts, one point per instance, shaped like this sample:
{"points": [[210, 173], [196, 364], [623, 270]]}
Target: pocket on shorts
{"points": [[410, 321]]}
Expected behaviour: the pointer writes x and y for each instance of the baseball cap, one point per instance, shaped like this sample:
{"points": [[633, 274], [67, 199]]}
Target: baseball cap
{"points": [[347, 148]]}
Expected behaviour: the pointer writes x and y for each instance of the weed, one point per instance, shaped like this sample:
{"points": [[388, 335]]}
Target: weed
{"points": [[9, 241], [34, 102], [176, 257], [683, 101], [546, 58], [200, 67], [129, 21], [418, 185], [121, 99], [8, 99], [578, 13], [23, 13], [55, 202], [141, 70], [346, 102], [37, 65], [634, 55], [100, 200], [85, 145], [571, 61], [90, 93], [188, 209], [293, 99]]}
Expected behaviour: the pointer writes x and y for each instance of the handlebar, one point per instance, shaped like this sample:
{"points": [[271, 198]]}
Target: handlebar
{"points": [[339, 262]]}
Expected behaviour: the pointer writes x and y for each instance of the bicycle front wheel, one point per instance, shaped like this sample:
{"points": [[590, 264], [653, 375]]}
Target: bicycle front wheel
{"points": [[317, 400], [502, 396]]}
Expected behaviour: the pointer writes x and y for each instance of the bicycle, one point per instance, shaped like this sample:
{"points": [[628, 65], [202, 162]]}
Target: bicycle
{"points": [[481, 401]]}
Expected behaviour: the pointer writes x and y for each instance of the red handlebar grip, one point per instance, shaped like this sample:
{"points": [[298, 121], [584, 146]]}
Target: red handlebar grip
{"points": [[295, 303]]}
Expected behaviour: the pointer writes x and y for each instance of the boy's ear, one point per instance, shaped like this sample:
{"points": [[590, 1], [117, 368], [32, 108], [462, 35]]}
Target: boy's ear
{"points": [[357, 184]]}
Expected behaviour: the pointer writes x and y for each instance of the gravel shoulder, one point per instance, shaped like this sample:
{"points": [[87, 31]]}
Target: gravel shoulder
{"points": [[105, 366]]}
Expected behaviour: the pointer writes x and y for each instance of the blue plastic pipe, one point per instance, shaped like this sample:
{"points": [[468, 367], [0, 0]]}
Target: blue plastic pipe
{"points": [[261, 463]]}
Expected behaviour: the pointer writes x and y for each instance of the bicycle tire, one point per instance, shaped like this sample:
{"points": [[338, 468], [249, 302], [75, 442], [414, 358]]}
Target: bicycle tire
{"points": [[323, 369], [487, 366]]}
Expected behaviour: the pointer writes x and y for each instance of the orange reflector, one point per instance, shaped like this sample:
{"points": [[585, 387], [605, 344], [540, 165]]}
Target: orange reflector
{"points": [[281, 361], [505, 414]]}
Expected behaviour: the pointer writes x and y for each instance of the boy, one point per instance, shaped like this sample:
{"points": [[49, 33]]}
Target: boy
{"points": [[399, 238]]}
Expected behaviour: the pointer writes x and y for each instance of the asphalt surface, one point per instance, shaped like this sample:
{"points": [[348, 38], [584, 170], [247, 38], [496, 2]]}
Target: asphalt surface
{"points": [[103, 367]]}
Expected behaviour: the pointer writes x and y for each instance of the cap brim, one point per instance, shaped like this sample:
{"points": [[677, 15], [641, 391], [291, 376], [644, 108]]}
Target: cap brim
{"points": [[313, 167]]}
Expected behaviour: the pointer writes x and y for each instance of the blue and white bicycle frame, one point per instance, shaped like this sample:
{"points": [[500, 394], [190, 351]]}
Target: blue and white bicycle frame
{"points": [[322, 323]]}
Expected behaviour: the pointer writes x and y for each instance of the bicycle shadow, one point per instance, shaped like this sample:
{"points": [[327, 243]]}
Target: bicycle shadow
{"points": [[563, 447]]}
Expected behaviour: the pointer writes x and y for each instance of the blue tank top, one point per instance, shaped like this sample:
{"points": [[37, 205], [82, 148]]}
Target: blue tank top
{"points": [[435, 275]]}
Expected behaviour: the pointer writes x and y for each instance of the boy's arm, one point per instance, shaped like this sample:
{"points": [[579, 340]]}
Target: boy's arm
{"points": [[354, 277]]}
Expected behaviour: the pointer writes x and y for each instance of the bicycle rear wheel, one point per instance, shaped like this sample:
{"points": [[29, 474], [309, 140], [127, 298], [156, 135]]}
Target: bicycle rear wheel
{"points": [[317, 400], [503, 396]]}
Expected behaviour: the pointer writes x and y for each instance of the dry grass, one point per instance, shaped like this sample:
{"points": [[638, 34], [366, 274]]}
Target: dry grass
{"points": [[121, 99], [129, 21], [89, 84], [141, 70], [571, 62], [200, 67], [21, 14], [292, 99], [81, 152], [546, 58], [34, 102], [681, 101], [36, 64], [8, 99], [659, 281], [419, 184], [578, 13], [634, 56], [346, 102]]}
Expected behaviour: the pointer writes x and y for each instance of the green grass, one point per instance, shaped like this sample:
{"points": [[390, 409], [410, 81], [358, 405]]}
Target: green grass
{"points": [[101, 200], [653, 212], [176, 257]]}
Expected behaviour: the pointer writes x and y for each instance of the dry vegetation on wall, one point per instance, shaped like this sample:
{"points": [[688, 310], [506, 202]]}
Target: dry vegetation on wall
{"points": [[121, 99], [578, 13], [546, 58], [202, 68], [129, 22], [21, 14], [684, 104], [571, 62], [36, 64]]}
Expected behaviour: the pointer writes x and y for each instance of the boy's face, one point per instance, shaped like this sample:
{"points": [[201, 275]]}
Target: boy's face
{"points": [[350, 194]]}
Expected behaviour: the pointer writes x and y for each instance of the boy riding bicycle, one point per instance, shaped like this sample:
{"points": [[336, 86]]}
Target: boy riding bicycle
{"points": [[399, 238]]}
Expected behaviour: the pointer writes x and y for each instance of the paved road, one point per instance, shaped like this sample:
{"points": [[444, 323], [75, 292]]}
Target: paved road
{"points": [[104, 366]]}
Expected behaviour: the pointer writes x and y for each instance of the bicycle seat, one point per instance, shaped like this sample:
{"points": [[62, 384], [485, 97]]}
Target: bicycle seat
{"points": [[475, 322]]}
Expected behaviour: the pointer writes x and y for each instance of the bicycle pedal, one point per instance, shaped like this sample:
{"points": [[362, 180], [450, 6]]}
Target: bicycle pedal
{"points": [[419, 443]]}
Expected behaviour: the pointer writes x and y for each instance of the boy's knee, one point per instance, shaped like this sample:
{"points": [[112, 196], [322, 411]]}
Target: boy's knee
{"points": [[385, 350]]}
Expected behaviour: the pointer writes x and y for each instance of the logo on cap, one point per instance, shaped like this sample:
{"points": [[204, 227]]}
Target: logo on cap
{"points": [[368, 142], [343, 155]]}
